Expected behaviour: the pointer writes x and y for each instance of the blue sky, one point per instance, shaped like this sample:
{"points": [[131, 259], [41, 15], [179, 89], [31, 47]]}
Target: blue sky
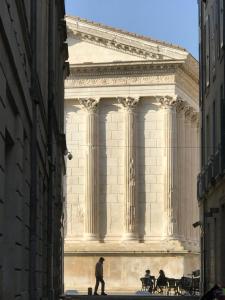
{"points": [[173, 21]]}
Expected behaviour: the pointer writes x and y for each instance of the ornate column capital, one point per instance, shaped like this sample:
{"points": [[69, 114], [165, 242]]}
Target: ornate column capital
{"points": [[189, 112], [180, 105], [90, 104], [128, 103], [167, 102], [195, 117]]}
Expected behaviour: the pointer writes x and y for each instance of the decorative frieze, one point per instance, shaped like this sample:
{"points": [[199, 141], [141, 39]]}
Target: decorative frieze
{"points": [[76, 81]]}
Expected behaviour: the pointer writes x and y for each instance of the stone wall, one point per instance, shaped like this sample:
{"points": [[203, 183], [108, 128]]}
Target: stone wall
{"points": [[122, 273], [150, 161]]}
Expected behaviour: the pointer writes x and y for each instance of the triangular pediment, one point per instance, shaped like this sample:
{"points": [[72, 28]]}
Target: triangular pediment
{"points": [[91, 42], [83, 51]]}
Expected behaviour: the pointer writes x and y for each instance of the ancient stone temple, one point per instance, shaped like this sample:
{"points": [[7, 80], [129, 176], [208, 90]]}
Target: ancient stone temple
{"points": [[132, 126]]}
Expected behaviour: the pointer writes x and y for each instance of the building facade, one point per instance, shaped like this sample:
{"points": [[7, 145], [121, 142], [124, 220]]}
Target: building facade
{"points": [[211, 184], [131, 110], [32, 145]]}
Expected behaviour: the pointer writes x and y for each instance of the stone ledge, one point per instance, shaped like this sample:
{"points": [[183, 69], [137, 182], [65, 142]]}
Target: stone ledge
{"points": [[127, 248]]}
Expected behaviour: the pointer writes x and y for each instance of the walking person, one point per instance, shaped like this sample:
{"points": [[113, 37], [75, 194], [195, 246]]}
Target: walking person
{"points": [[99, 276]]}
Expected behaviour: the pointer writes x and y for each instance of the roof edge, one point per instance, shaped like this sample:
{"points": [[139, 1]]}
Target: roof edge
{"points": [[135, 35]]}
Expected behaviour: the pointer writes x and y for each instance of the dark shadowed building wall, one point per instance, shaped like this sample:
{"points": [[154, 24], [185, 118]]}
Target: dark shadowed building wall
{"points": [[211, 183], [32, 146]]}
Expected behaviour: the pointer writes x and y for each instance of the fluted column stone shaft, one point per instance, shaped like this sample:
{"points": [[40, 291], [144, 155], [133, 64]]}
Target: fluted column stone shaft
{"points": [[170, 142], [181, 167], [91, 169], [194, 170], [130, 184], [188, 171]]}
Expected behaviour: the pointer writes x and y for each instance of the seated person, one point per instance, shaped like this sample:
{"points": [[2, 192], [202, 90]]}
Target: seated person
{"points": [[161, 280], [149, 281]]}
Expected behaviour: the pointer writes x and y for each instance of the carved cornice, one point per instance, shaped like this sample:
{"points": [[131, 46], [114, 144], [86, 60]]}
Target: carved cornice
{"points": [[120, 68], [134, 44], [132, 73], [118, 46], [78, 20], [90, 104], [128, 103]]}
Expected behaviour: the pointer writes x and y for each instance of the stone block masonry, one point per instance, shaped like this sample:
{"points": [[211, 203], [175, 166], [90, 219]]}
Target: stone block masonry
{"points": [[131, 116]]}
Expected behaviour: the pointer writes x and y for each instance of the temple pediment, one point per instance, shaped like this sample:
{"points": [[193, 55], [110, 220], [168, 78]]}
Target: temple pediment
{"points": [[91, 42]]}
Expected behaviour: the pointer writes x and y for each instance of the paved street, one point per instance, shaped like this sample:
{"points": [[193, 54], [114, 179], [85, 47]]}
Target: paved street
{"points": [[131, 297]]}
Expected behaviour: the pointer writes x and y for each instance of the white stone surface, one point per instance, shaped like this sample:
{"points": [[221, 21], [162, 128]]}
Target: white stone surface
{"points": [[164, 152]]}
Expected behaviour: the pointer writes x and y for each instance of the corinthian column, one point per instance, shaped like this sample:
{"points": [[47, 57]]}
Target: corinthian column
{"points": [[181, 183], [170, 143], [188, 169], [91, 169], [130, 212]]}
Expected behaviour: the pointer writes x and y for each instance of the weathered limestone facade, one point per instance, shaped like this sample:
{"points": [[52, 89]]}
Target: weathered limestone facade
{"points": [[131, 110]]}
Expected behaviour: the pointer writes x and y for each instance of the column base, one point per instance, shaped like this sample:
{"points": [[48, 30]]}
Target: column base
{"points": [[129, 237], [90, 237]]}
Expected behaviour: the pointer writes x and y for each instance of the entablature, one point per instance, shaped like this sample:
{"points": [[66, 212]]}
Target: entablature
{"points": [[118, 68]]}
